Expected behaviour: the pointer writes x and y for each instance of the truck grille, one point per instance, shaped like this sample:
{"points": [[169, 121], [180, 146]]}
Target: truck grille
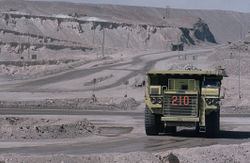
{"points": [[185, 105]]}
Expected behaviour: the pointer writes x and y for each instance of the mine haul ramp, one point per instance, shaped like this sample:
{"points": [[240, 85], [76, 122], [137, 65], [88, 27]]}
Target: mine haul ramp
{"points": [[182, 98]]}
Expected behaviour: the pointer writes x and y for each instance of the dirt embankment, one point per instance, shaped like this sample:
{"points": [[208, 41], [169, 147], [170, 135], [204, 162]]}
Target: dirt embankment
{"points": [[93, 103], [18, 128], [225, 25], [50, 34], [54, 44], [234, 58]]}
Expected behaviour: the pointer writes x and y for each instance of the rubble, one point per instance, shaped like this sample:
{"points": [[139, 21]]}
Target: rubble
{"points": [[227, 153], [92, 103], [20, 128]]}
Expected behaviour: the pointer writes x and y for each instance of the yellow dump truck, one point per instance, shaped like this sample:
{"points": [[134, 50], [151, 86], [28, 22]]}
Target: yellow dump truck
{"points": [[182, 98]]}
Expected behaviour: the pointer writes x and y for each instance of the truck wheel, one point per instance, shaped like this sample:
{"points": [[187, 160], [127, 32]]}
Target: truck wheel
{"points": [[152, 122], [197, 129], [212, 124]]}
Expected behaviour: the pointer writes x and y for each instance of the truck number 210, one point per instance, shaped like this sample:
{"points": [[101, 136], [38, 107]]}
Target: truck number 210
{"points": [[183, 100]]}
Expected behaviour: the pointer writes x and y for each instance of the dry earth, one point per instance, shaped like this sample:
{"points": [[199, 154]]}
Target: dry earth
{"points": [[225, 25], [210, 154], [18, 128], [93, 103], [67, 59]]}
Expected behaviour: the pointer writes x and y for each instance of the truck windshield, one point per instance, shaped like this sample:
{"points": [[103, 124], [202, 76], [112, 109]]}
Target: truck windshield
{"points": [[211, 83], [158, 80]]}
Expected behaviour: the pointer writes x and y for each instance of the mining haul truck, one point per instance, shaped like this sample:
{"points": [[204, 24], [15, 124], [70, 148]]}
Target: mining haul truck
{"points": [[182, 98]]}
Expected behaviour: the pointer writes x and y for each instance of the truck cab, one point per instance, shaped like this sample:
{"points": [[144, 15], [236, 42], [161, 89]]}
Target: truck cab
{"points": [[182, 98]]}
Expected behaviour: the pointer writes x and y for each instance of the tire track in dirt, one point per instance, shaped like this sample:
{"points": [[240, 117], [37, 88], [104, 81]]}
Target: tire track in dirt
{"points": [[75, 74]]}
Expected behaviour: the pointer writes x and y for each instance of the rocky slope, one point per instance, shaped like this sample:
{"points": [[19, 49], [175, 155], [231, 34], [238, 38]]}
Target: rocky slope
{"points": [[61, 31], [225, 25], [234, 57], [25, 36]]}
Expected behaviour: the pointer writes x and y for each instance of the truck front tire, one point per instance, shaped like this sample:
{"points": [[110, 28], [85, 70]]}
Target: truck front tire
{"points": [[213, 124], [152, 122]]}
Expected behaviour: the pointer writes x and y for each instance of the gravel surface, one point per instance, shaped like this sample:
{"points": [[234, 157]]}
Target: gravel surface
{"points": [[215, 153], [93, 103], [75, 44], [18, 128], [211, 154]]}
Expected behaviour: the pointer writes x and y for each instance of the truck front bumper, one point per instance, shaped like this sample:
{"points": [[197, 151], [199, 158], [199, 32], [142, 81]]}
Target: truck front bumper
{"points": [[180, 119]]}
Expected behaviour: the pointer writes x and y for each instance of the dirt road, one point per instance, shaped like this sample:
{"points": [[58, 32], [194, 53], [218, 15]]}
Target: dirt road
{"points": [[73, 83], [121, 131], [143, 60], [124, 132]]}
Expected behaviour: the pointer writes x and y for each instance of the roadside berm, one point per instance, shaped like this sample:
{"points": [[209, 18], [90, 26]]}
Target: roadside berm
{"points": [[23, 128], [91, 103], [215, 153]]}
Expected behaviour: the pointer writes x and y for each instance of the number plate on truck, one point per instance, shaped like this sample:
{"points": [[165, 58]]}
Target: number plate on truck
{"points": [[180, 105], [180, 101]]}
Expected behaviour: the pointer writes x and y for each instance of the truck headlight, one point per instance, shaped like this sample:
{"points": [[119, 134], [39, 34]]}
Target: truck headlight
{"points": [[153, 100], [156, 100], [212, 101], [159, 100]]}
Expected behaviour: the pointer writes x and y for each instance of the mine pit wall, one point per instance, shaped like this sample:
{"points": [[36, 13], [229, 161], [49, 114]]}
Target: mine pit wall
{"points": [[23, 35]]}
